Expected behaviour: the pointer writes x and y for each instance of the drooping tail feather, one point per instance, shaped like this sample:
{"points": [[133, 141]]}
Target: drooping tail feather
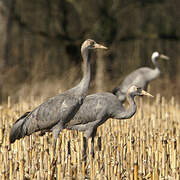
{"points": [[17, 130]]}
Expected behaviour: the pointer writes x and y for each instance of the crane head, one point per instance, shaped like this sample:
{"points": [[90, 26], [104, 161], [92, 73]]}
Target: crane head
{"points": [[91, 44], [137, 91], [156, 55]]}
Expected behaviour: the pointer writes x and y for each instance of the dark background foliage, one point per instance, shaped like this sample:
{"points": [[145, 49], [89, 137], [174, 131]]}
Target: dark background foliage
{"points": [[40, 43]]}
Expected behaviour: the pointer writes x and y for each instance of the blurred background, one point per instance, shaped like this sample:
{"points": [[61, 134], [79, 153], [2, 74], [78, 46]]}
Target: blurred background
{"points": [[40, 44]]}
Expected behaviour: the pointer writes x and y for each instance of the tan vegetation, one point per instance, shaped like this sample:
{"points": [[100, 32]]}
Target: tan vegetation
{"points": [[146, 146], [40, 55]]}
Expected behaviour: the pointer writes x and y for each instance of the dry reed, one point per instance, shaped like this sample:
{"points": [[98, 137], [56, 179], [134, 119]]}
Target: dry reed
{"points": [[146, 146]]}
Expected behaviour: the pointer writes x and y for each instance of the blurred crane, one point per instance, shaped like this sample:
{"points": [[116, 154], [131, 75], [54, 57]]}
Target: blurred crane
{"points": [[53, 114], [140, 77]]}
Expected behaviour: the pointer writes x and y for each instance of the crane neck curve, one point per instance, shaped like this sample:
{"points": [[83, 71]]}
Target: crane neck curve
{"points": [[130, 111], [156, 71], [156, 64], [132, 106], [82, 87]]}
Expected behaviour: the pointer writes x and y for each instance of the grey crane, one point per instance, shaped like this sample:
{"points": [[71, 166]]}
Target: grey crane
{"points": [[99, 107], [53, 114], [140, 77]]}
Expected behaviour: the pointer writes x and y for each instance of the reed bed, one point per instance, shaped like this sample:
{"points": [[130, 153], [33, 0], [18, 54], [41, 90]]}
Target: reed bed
{"points": [[146, 146]]}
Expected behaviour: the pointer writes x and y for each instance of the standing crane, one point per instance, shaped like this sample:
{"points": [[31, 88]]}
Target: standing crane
{"points": [[99, 107], [53, 114], [140, 77]]}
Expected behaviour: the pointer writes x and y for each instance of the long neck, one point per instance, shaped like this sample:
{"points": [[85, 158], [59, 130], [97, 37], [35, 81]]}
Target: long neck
{"points": [[127, 113], [85, 82], [82, 88], [156, 71]]}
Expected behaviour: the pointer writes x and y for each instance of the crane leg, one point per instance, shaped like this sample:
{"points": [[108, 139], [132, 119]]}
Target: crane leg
{"points": [[93, 130], [92, 141], [56, 131], [89, 133], [85, 143]]}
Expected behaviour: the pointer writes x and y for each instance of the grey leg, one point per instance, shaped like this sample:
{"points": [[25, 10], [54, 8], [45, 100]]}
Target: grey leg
{"points": [[90, 133], [56, 131], [92, 141], [85, 143]]}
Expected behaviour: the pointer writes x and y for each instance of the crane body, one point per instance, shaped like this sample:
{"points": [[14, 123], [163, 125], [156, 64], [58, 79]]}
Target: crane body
{"points": [[140, 77]]}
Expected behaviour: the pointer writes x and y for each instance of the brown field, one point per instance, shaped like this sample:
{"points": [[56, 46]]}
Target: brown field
{"points": [[146, 146]]}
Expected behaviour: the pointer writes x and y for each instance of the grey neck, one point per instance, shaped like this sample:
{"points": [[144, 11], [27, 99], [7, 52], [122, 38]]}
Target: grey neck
{"points": [[132, 106], [82, 88], [85, 82], [126, 114]]}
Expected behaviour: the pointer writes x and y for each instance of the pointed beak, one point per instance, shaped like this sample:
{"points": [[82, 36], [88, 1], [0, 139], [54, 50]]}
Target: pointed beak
{"points": [[99, 46], [146, 93], [162, 56]]}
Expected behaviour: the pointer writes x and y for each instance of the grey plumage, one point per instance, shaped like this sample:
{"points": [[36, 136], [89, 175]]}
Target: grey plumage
{"points": [[99, 107], [16, 130], [140, 77], [53, 114]]}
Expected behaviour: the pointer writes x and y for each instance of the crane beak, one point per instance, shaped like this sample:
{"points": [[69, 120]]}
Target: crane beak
{"points": [[99, 46], [162, 56], [146, 93]]}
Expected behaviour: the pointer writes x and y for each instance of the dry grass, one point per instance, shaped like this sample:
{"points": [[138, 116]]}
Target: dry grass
{"points": [[146, 146]]}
